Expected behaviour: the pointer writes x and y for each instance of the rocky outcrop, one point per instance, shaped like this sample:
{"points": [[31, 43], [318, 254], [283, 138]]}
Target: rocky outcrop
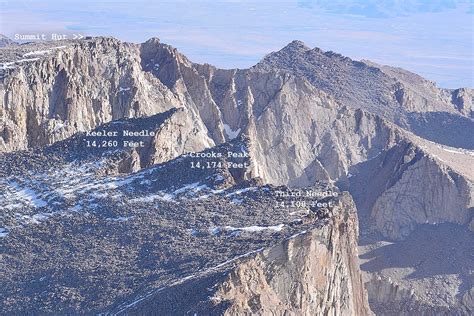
{"points": [[391, 93], [314, 272], [316, 140], [463, 100], [389, 298], [77, 88], [385, 292], [323, 269], [407, 202], [179, 134], [406, 186]]}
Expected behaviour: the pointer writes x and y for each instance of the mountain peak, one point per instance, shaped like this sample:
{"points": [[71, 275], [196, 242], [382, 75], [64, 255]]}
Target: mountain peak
{"points": [[289, 52], [295, 46], [153, 40]]}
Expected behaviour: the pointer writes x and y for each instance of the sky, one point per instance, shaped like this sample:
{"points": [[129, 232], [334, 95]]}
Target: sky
{"points": [[432, 38]]}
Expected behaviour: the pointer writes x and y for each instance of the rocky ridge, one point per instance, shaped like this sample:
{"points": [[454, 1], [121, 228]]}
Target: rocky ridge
{"points": [[124, 241], [259, 284], [310, 116]]}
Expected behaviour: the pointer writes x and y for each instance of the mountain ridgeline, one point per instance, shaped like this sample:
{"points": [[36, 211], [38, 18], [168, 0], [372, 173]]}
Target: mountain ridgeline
{"points": [[402, 148]]}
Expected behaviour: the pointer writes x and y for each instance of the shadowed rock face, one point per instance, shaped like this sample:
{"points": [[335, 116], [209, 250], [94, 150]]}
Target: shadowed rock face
{"points": [[430, 257], [306, 116], [406, 186]]}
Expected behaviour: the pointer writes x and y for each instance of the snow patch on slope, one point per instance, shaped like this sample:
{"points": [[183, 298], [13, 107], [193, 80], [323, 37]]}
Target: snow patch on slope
{"points": [[276, 228], [231, 134], [24, 194]]}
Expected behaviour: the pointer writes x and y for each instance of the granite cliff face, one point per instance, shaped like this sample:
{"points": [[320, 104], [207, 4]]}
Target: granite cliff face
{"points": [[400, 145], [414, 183], [76, 88], [322, 265]]}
